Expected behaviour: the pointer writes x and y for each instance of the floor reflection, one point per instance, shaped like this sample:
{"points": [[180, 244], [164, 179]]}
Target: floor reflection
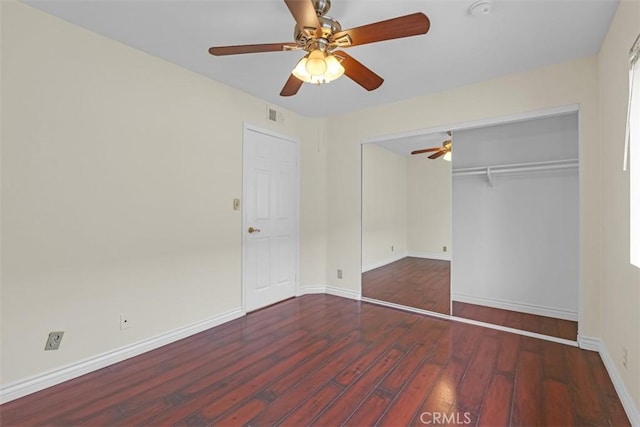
{"points": [[414, 282]]}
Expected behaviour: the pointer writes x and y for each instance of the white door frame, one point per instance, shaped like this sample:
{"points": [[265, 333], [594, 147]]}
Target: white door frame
{"points": [[249, 127]]}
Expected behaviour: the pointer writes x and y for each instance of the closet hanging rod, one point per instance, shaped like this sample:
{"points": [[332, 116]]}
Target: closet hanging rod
{"points": [[518, 167]]}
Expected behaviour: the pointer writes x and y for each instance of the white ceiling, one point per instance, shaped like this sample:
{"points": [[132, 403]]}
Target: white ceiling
{"points": [[459, 49]]}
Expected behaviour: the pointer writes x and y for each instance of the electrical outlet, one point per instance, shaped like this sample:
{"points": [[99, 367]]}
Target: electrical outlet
{"points": [[444, 249], [624, 357], [339, 273], [236, 204], [125, 322], [53, 342]]}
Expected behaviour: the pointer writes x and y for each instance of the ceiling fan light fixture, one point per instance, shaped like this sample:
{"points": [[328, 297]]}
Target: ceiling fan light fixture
{"points": [[316, 64], [332, 69], [447, 156], [300, 71], [335, 69]]}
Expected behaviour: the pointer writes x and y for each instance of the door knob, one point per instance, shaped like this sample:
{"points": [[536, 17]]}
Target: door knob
{"points": [[253, 230]]}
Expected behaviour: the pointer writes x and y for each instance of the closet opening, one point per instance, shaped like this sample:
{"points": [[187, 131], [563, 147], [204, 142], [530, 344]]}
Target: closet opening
{"points": [[516, 227]]}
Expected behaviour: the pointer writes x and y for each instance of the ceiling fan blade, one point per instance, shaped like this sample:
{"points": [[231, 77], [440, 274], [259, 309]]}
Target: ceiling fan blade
{"points": [[438, 154], [395, 28], [305, 15], [251, 48], [292, 86], [425, 150], [358, 72]]}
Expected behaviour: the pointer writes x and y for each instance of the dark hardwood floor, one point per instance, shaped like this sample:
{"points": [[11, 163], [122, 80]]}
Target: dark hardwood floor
{"points": [[414, 282], [328, 361], [527, 322], [425, 284]]}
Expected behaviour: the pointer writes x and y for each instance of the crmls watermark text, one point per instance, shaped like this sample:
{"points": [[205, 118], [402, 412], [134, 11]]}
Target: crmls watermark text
{"points": [[445, 418]]}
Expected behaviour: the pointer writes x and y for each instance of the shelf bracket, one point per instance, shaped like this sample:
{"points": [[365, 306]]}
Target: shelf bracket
{"points": [[492, 184]]}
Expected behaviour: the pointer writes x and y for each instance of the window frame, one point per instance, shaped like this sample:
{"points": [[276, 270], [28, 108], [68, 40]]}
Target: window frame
{"points": [[631, 161]]}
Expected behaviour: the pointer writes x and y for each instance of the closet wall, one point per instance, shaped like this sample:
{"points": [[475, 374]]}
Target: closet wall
{"points": [[517, 244]]}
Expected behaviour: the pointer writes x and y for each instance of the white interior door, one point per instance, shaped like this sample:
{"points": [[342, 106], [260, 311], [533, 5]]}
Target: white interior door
{"points": [[270, 223]]}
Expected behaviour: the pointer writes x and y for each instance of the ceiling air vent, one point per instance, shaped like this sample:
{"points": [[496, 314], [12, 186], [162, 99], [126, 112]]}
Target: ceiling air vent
{"points": [[272, 114]]}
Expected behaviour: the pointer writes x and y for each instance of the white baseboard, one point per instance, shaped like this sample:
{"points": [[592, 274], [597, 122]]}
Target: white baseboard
{"points": [[431, 255], [21, 388], [627, 401], [329, 290], [307, 290], [344, 293], [589, 343], [384, 262], [539, 310]]}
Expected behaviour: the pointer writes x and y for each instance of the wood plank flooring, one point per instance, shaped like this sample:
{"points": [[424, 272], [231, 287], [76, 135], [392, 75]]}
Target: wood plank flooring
{"points": [[527, 322], [413, 282], [328, 361], [425, 284]]}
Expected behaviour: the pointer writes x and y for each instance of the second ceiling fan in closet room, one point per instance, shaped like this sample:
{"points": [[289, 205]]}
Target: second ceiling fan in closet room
{"points": [[445, 150], [320, 35]]}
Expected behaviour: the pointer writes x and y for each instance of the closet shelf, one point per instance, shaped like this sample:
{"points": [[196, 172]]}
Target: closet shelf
{"points": [[489, 171]]}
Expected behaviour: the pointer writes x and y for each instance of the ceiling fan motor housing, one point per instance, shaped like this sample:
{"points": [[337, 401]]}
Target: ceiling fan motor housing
{"points": [[306, 39]]}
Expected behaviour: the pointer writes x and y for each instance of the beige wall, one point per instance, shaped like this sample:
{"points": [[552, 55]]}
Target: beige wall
{"points": [[621, 280], [384, 206], [118, 174], [429, 207], [568, 83]]}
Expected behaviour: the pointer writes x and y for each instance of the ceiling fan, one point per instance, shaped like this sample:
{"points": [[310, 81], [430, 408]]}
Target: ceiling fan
{"points": [[321, 35], [445, 150]]}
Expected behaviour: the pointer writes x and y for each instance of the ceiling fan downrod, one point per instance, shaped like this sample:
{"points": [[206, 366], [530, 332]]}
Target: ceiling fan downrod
{"points": [[321, 6]]}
